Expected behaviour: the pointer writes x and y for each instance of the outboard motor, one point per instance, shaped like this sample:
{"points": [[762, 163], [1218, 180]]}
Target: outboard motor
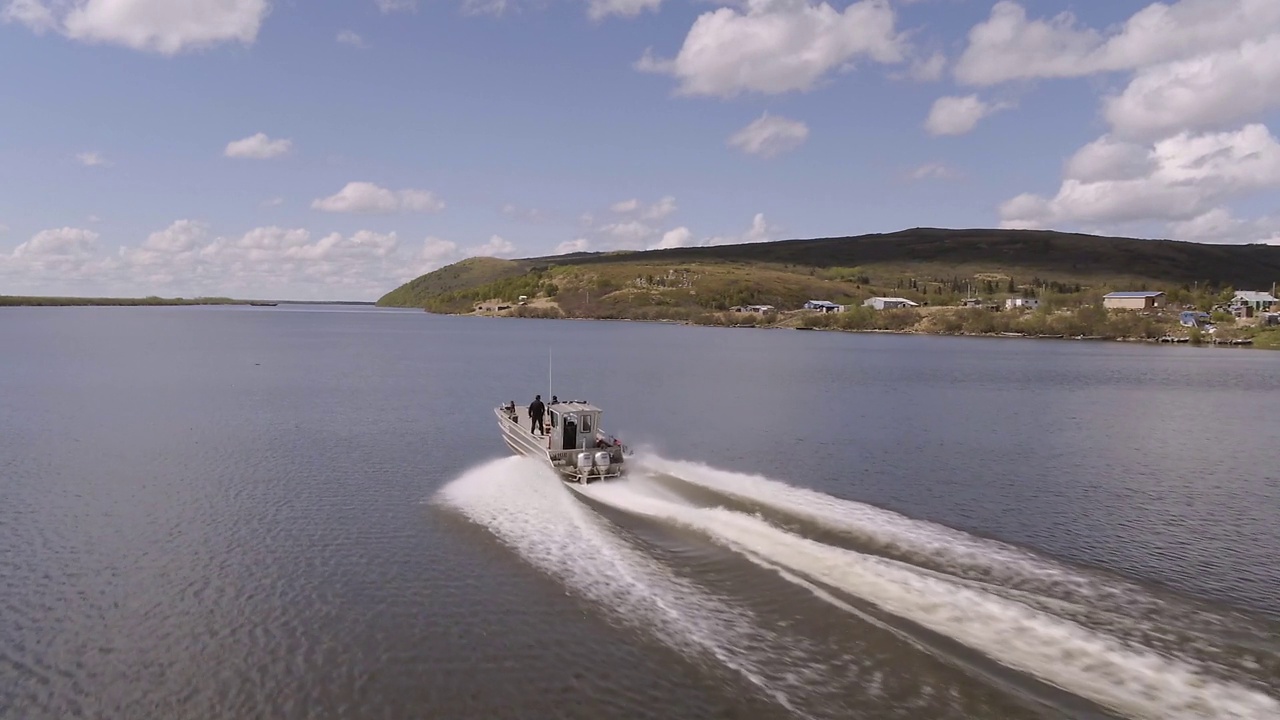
{"points": [[602, 461], [584, 464]]}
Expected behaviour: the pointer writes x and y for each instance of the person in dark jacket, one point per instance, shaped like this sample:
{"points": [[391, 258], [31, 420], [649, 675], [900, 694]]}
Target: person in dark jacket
{"points": [[536, 411]]}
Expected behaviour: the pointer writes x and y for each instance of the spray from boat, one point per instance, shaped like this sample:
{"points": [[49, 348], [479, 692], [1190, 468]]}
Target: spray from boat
{"points": [[1069, 629]]}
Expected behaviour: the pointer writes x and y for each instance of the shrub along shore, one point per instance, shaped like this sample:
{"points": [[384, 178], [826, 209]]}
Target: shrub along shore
{"points": [[1092, 322]]}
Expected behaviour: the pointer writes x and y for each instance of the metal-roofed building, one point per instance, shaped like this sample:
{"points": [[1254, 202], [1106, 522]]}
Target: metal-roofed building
{"points": [[1259, 301], [1139, 300]]}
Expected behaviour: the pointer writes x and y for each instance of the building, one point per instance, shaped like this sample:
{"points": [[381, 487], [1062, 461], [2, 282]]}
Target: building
{"points": [[889, 303], [823, 306], [757, 309], [1021, 303], [1140, 300], [971, 302], [1258, 301]]}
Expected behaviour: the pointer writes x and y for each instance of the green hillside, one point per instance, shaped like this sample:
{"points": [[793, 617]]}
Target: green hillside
{"points": [[930, 266]]}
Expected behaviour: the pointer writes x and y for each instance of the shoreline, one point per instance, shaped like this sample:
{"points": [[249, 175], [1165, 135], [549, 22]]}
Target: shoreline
{"points": [[1164, 340]]}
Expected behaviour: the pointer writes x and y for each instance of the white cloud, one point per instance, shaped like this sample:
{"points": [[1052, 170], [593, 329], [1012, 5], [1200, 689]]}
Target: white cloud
{"points": [[770, 135], [496, 247], [778, 46], [33, 13], [598, 9], [1180, 178], [659, 210], [92, 159], [273, 202], [351, 37], [257, 147], [365, 197], [573, 246], [1009, 46], [958, 115], [532, 215], [929, 69], [932, 171], [166, 27], [760, 231], [1220, 226], [390, 6], [64, 242], [680, 237], [1203, 92]]}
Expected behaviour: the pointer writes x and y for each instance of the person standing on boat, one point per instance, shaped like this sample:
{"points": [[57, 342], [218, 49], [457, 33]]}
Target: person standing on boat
{"points": [[536, 411]]}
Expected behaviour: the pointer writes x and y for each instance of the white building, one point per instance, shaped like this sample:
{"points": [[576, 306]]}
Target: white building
{"points": [[1021, 303], [889, 303], [1259, 301]]}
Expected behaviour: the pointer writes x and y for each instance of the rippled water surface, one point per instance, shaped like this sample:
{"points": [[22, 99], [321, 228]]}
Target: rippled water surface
{"points": [[307, 512]]}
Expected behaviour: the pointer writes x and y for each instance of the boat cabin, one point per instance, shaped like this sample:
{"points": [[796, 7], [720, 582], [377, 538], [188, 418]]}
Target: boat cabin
{"points": [[574, 426]]}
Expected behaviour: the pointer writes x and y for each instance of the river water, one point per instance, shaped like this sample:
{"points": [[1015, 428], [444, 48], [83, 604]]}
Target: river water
{"points": [[307, 512]]}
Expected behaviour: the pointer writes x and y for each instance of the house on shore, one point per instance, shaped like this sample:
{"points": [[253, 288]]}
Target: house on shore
{"points": [[1021, 303], [1255, 301], [889, 303], [823, 306], [757, 309], [1138, 300]]}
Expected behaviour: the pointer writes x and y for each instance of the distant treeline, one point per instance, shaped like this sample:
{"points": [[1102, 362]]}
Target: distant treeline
{"points": [[13, 300]]}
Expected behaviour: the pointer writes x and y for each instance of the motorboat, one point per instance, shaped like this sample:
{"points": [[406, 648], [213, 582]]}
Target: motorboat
{"points": [[571, 441]]}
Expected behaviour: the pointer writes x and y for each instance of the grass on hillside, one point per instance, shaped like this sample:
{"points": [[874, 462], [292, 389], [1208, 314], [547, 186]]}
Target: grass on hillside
{"points": [[460, 276]]}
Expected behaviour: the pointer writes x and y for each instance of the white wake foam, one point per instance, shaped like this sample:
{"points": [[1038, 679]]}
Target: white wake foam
{"points": [[1133, 681], [529, 509], [927, 543]]}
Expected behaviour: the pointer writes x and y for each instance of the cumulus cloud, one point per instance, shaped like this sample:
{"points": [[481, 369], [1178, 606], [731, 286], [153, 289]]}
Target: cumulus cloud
{"points": [[257, 147], [778, 46], [351, 37], [679, 237], [366, 197], [958, 115], [532, 215], [1219, 225], [91, 159], [188, 259], [166, 27], [495, 247], [573, 246], [1206, 91], [770, 135], [932, 171], [1174, 180], [1010, 46], [1194, 64], [658, 210], [391, 6], [760, 231], [64, 242], [599, 9]]}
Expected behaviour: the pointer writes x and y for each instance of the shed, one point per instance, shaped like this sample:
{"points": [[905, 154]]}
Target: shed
{"points": [[1136, 300], [1021, 302], [889, 303]]}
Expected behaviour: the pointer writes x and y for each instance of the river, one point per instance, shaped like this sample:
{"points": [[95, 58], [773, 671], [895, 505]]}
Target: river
{"points": [[307, 512]]}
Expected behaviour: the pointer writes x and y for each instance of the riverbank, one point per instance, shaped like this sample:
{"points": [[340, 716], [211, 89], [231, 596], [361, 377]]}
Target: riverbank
{"points": [[1083, 323]]}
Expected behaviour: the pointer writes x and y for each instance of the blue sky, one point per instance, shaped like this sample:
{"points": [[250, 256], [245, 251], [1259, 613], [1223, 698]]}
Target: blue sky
{"points": [[333, 150]]}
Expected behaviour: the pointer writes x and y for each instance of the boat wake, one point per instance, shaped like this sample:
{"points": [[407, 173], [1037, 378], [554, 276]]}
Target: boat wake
{"points": [[1116, 645]]}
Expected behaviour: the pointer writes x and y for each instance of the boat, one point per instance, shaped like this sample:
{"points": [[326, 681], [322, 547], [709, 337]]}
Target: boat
{"points": [[573, 445]]}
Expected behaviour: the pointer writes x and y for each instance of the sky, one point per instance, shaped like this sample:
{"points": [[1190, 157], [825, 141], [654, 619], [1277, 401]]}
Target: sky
{"points": [[331, 150]]}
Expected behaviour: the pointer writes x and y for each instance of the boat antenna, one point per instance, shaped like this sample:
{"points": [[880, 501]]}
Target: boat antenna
{"points": [[548, 374]]}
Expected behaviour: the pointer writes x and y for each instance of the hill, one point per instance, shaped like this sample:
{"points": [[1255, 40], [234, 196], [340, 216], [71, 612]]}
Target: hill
{"points": [[930, 266]]}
